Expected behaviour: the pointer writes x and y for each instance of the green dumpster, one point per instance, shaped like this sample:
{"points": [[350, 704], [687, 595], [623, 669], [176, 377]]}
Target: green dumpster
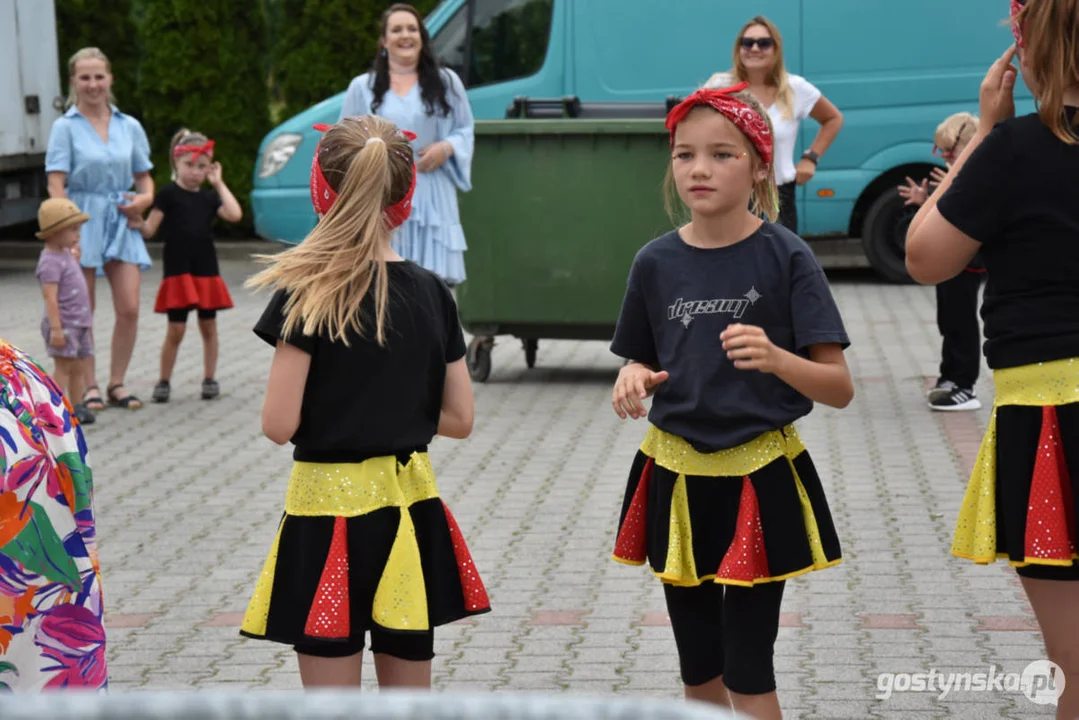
{"points": [[557, 212]]}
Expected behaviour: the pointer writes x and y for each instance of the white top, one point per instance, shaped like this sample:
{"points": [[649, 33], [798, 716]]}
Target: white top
{"points": [[806, 96]]}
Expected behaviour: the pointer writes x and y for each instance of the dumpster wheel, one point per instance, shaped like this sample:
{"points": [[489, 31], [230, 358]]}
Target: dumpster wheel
{"points": [[479, 357], [531, 346]]}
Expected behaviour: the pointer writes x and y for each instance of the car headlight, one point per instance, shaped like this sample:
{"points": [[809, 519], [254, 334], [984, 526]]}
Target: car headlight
{"points": [[277, 153]]}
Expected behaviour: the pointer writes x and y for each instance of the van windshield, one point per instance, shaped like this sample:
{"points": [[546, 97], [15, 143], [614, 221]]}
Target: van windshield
{"points": [[509, 40]]}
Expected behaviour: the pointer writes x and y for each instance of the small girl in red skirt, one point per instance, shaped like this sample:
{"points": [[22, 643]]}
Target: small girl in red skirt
{"points": [[730, 320], [184, 212]]}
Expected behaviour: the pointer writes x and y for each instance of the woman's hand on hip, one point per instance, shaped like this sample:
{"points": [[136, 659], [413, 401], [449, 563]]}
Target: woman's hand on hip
{"points": [[997, 96], [805, 170]]}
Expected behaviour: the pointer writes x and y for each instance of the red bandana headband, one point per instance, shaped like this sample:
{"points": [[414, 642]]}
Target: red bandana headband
{"points": [[1017, 7], [323, 196], [745, 118], [207, 149]]}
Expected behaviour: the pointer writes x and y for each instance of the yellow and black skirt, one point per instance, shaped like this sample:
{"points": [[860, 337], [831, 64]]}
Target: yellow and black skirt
{"points": [[1020, 502], [752, 514], [361, 546]]}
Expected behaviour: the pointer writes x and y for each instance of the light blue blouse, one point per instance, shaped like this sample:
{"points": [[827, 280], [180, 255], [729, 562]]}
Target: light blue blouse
{"points": [[432, 236], [98, 175]]}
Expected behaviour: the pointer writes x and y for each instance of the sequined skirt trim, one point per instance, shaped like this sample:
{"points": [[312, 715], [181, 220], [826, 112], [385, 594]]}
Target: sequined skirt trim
{"points": [[363, 545], [1020, 503], [749, 515]]}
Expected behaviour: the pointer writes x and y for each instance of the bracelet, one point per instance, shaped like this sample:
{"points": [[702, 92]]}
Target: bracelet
{"points": [[811, 156]]}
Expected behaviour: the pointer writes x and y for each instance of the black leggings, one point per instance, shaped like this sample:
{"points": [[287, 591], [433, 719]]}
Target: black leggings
{"points": [[413, 646], [788, 206], [180, 316], [729, 631]]}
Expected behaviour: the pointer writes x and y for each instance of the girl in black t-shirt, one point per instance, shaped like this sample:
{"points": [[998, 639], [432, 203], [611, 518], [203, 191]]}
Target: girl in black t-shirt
{"points": [[368, 368], [184, 213], [731, 321], [1012, 196]]}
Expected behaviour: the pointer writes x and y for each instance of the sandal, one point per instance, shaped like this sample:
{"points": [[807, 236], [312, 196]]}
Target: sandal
{"points": [[83, 415], [96, 404], [128, 402]]}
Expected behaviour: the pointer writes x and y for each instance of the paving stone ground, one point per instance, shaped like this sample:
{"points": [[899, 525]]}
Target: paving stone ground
{"points": [[188, 495]]}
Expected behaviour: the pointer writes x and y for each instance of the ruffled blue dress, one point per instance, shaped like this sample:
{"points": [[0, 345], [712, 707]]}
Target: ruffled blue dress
{"points": [[432, 236]]}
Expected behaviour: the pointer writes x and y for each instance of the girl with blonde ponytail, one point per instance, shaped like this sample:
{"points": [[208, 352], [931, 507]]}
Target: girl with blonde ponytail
{"points": [[368, 367]]}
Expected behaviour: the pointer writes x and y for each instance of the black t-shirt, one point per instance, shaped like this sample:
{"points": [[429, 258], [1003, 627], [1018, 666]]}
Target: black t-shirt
{"points": [[187, 229], [680, 298], [1018, 195], [362, 400]]}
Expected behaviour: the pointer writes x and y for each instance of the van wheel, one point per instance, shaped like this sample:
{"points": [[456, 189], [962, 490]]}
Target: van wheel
{"points": [[884, 235]]}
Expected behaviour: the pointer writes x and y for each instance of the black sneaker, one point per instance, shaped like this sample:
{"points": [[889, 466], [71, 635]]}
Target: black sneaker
{"points": [[956, 398], [161, 392], [83, 415], [941, 389], [210, 389]]}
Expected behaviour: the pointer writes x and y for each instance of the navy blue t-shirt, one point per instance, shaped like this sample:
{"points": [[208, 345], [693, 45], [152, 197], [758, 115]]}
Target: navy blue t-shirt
{"points": [[679, 299]]}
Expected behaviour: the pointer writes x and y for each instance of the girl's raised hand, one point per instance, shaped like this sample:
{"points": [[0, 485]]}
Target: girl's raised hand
{"points": [[997, 96], [635, 382], [914, 193], [214, 176], [749, 348]]}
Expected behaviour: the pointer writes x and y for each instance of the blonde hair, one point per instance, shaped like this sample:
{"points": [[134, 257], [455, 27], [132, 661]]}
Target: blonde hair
{"points": [[86, 53], [1051, 36], [955, 132], [779, 77], [764, 201], [184, 137], [329, 274]]}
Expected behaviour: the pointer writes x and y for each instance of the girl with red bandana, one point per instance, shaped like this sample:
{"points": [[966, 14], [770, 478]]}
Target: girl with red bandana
{"points": [[730, 322], [184, 213], [368, 367], [1011, 197]]}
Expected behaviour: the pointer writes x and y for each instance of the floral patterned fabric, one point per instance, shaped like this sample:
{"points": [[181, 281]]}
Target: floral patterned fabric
{"points": [[51, 632]]}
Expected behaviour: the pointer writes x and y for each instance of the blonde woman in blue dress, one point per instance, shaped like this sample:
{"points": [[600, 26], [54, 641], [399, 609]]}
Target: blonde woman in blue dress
{"points": [[99, 158], [407, 87]]}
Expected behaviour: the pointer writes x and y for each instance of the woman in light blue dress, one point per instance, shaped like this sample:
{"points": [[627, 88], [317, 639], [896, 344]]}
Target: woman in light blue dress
{"points": [[407, 87], [96, 155]]}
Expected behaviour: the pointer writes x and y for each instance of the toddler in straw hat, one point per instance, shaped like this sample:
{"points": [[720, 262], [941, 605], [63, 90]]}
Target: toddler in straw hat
{"points": [[67, 324]]}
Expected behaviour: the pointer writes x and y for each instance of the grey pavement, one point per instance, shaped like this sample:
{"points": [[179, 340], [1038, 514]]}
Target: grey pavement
{"points": [[189, 493]]}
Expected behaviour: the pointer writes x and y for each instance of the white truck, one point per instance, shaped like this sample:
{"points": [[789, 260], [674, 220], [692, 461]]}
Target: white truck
{"points": [[29, 103]]}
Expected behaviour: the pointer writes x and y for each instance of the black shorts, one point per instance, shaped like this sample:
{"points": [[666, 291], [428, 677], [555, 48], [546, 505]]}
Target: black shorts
{"points": [[415, 646], [180, 316]]}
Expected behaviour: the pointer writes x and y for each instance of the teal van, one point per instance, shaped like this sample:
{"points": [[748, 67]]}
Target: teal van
{"points": [[895, 70]]}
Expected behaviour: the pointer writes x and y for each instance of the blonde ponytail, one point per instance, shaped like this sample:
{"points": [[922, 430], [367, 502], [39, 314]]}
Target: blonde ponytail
{"points": [[369, 164]]}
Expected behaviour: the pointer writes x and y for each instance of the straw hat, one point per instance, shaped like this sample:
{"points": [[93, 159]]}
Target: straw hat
{"points": [[56, 214]]}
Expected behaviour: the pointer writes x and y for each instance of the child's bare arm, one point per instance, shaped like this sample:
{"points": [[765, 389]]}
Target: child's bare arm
{"points": [[284, 392], [150, 225], [51, 293], [230, 210], [824, 377], [458, 404]]}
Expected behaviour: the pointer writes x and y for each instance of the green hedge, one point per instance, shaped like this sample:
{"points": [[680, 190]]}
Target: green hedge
{"points": [[106, 25], [320, 45], [204, 67]]}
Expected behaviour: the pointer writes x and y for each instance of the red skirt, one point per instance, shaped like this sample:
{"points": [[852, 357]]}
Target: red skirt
{"points": [[187, 292]]}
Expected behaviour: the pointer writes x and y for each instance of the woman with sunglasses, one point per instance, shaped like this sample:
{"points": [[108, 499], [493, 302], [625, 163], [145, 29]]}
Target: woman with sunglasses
{"points": [[790, 99], [1011, 194]]}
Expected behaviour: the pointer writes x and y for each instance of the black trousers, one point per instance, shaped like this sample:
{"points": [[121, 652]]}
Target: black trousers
{"points": [[788, 210], [957, 320]]}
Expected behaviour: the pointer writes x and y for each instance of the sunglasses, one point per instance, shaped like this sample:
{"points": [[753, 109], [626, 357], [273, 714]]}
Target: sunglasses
{"points": [[762, 43]]}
